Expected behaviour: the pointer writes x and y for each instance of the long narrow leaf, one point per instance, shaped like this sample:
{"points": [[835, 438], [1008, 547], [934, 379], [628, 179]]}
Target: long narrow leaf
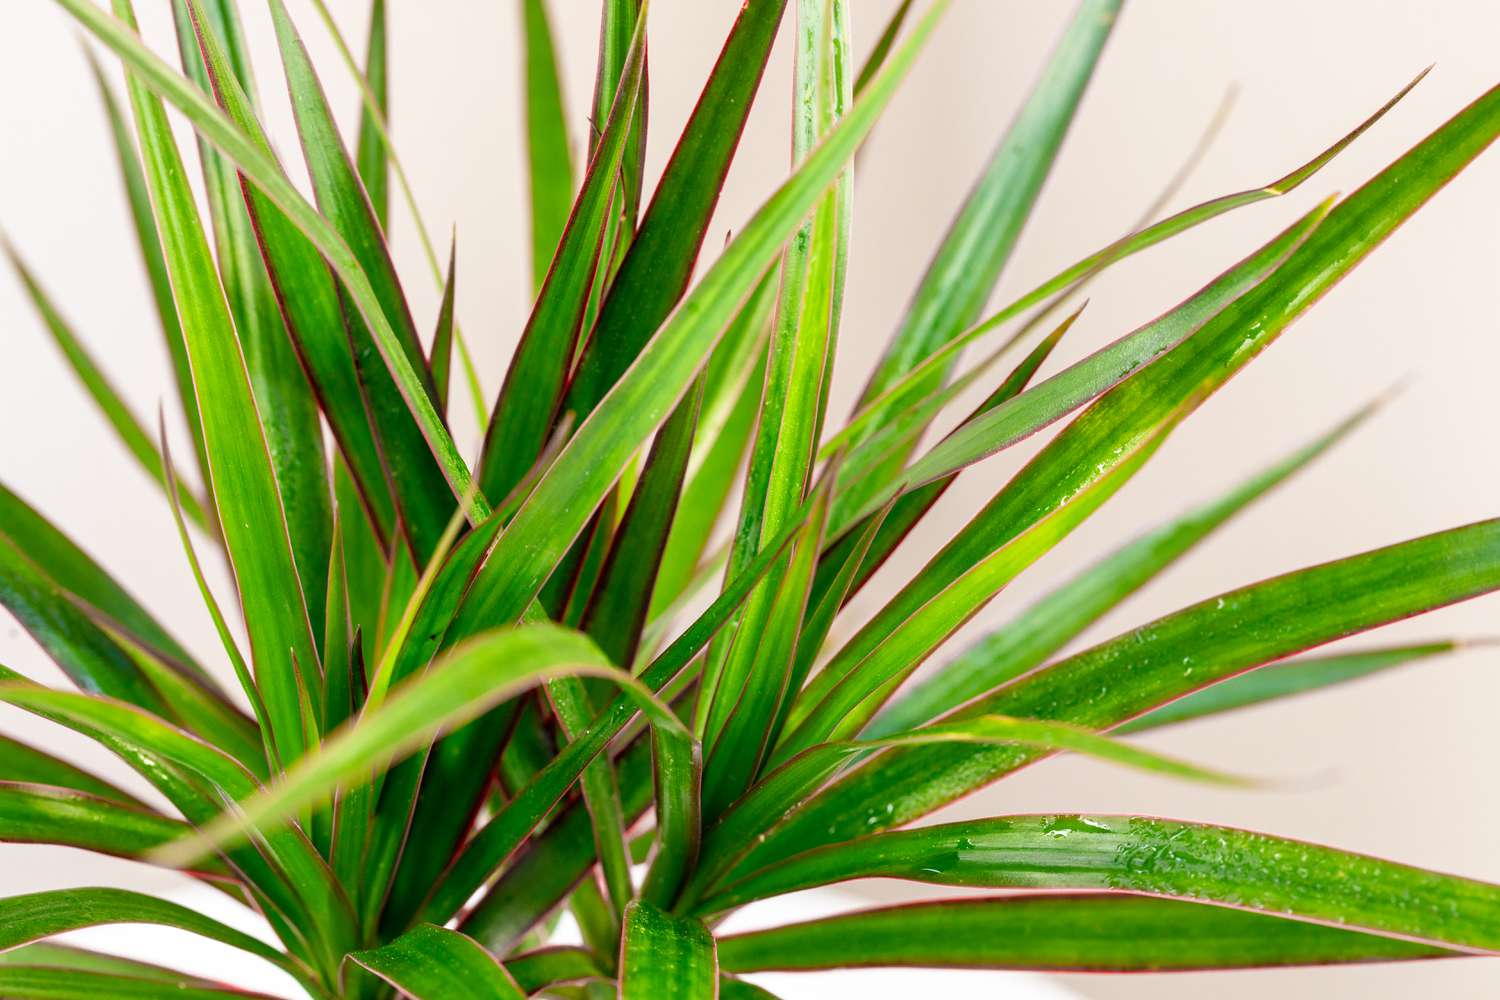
{"points": [[666, 957], [1060, 933], [431, 963]]}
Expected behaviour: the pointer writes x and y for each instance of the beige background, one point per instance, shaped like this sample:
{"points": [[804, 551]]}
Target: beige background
{"points": [[1401, 766]]}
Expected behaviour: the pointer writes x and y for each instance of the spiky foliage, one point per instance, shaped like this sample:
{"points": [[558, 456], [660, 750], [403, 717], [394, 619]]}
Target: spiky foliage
{"points": [[474, 695]]}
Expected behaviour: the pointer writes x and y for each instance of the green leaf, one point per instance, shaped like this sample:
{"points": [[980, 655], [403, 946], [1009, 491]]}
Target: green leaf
{"points": [[319, 909], [1282, 680], [731, 402], [764, 649], [787, 787], [287, 408], [1215, 864], [440, 356], [149, 243], [72, 569], [265, 175], [527, 406], [202, 709], [1052, 399], [853, 686], [431, 963], [550, 159], [897, 394], [27, 765], [657, 268], [370, 155], [59, 957], [616, 613], [79, 647], [573, 710], [1059, 933], [314, 319], [840, 575], [342, 198], [21, 982], [973, 254], [249, 504], [798, 372], [666, 957], [44, 914], [473, 678], [1047, 626], [1152, 665], [127, 428], [567, 494], [40, 814], [226, 637], [505, 832], [882, 47], [616, 29], [545, 967]]}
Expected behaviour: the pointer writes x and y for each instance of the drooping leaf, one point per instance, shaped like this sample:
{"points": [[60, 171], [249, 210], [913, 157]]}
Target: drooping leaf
{"points": [[666, 957], [80, 648], [432, 963], [35, 982], [318, 908], [1059, 933], [475, 677]]}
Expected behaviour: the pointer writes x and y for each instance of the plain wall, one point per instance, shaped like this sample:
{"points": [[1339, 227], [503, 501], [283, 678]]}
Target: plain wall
{"points": [[1400, 766]]}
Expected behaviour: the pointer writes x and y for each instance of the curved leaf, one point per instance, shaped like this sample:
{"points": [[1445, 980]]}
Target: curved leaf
{"points": [[431, 963]]}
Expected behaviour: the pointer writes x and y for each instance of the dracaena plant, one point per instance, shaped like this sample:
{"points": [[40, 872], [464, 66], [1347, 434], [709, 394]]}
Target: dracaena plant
{"points": [[594, 665]]}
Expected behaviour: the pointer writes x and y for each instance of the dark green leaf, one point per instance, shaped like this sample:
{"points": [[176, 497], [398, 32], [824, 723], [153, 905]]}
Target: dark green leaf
{"points": [[27, 765], [527, 406], [1060, 933], [23, 982]]}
